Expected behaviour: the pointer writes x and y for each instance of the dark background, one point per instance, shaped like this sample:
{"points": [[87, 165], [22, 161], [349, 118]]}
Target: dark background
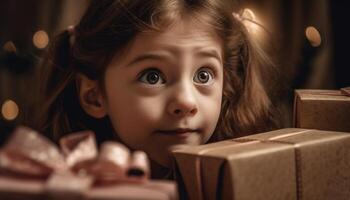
{"points": [[299, 64]]}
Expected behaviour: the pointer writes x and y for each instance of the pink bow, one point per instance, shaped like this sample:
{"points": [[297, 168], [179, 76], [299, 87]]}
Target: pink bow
{"points": [[27, 154]]}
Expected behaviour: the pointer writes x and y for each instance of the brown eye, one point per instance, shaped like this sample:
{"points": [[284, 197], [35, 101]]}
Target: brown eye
{"points": [[151, 77], [203, 76]]}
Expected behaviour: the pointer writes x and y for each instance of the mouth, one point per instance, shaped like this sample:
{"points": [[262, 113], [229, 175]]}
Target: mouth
{"points": [[180, 132]]}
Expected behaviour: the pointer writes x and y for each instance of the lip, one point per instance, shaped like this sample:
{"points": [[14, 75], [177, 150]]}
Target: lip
{"points": [[180, 132]]}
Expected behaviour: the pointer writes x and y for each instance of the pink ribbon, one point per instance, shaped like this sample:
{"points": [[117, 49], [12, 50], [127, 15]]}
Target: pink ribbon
{"points": [[76, 165]]}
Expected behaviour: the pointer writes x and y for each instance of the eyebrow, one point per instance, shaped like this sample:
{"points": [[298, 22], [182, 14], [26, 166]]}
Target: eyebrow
{"points": [[148, 56], [210, 53], [164, 56]]}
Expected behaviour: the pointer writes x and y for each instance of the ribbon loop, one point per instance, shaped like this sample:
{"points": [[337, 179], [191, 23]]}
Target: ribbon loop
{"points": [[29, 154], [79, 147]]}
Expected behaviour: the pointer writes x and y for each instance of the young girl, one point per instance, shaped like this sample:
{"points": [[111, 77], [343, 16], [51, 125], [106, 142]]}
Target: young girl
{"points": [[153, 74]]}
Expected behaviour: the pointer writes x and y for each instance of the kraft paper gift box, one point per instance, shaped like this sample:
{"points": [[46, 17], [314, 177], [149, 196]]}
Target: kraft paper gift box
{"points": [[284, 164], [32, 167], [322, 109]]}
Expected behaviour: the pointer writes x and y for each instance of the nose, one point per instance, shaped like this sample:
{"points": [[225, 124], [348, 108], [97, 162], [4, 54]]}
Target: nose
{"points": [[183, 101]]}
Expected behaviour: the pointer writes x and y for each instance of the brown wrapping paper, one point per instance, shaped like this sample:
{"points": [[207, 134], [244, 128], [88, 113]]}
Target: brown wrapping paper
{"points": [[283, 164], [322, 109]]}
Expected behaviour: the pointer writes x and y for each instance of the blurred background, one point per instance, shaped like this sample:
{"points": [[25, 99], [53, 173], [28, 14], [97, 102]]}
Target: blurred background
{"points": [[307, 39]]}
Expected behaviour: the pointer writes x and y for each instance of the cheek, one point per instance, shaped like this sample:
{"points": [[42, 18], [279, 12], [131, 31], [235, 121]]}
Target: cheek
{"points": [[210, 108], [133, 116]]}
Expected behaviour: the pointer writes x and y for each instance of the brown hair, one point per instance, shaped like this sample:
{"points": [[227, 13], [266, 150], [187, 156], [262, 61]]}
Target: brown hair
{"points": [[109, 25]]}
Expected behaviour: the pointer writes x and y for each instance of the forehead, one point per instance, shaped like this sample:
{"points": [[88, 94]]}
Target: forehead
{"points": [[184, 35]]}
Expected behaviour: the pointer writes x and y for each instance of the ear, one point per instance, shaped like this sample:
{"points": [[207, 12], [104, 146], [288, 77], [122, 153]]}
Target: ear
{"points": [[90, 96]]}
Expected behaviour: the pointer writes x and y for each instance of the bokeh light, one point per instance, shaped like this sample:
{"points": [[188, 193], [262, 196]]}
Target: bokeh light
{"points": [[40, 39], [313, 35], [9, 46], [9, 110]]}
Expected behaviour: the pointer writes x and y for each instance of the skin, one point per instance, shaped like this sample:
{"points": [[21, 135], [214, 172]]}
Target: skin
{"points": [[166, 89]]}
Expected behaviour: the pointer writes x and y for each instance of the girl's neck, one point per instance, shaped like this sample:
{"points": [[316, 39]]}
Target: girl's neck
{"points": [[160, 172]]}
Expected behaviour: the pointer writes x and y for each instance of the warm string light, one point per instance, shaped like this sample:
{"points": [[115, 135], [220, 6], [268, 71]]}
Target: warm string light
{"points": [[9, 110], [10, 47], [314, 36], [40, 39]]}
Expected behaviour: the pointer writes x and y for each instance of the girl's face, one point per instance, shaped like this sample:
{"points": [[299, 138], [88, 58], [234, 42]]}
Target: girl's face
{"points": [[166, 88]]}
